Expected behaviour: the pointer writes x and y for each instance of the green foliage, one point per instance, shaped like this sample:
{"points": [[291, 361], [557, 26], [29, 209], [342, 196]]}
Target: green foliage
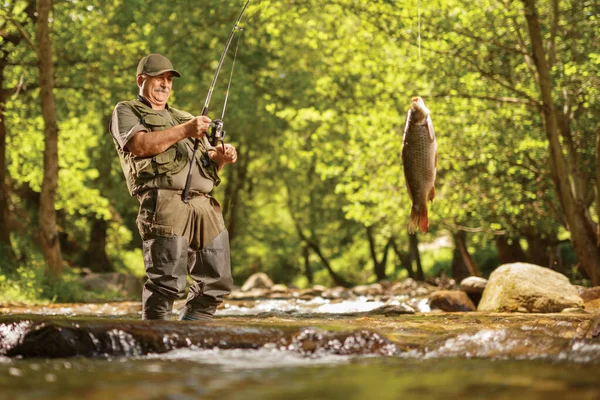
{"points": [[316, 109], [29, 284]]}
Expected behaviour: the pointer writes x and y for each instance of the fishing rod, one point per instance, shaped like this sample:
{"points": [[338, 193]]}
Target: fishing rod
{"points": [[216, 132]]}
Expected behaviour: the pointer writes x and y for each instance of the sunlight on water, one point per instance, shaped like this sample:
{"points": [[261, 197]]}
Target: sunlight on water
{"points": [[582, 352], [11, 334], [317, 305], [269, 356]]}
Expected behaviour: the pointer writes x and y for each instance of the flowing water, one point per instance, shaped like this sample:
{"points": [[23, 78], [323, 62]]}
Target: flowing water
{"points": [[308, 350]]}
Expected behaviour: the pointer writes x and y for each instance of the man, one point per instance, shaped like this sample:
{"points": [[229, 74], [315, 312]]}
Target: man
{"points": [[155, 144]]}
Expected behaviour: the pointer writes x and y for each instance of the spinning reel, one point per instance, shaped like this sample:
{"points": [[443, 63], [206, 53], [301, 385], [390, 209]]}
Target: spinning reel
{"points": [[216, 133]]}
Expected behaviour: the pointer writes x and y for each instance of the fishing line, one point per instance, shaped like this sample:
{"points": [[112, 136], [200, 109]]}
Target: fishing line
{"points": [[237, 45], [419, 26]]}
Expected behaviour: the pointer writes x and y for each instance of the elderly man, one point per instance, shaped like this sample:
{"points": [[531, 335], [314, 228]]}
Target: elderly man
{"points": [[155, 145]]}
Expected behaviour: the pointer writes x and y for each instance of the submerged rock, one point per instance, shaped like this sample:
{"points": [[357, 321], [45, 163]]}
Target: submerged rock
{"points": [[558, 336], [317, 342], [392, 308], [522, 287]]}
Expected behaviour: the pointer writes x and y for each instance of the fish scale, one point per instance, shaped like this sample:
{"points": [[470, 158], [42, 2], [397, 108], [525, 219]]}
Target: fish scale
{"points": [[419, 157]]}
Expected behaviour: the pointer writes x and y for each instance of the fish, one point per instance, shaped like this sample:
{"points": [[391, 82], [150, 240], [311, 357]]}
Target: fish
{"points": [[419, 159]]}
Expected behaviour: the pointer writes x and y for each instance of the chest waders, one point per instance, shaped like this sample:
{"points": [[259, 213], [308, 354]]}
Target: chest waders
{"points": [[178, 238]]}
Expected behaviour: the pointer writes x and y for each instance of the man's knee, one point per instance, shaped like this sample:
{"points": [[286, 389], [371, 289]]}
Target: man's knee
{"points": [[165, 259]]}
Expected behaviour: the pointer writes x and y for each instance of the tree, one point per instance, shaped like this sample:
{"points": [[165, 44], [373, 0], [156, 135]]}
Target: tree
{"points": [[12, 34], [48, 229], [567, 175]]}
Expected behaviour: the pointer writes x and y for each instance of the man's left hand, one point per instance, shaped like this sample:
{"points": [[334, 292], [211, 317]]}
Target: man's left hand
{"points": [[224, 156]]}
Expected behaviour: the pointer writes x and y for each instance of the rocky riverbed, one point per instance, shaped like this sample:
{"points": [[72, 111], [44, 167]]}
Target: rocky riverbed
{"points": [[386, 340]]}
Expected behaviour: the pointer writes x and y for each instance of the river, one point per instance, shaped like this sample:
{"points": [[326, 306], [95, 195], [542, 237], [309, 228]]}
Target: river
{"points": [[291, 349]]}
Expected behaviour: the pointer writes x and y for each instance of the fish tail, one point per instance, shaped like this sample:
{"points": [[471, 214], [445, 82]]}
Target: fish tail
{"points": [[418, 219], [431, 194]]}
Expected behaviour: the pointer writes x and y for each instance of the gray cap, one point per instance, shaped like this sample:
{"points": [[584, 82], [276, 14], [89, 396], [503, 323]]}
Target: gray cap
{"points": [[155, 64]]}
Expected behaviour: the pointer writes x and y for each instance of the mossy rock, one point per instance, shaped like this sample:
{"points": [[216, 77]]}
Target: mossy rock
{"points": [[522, 287]]}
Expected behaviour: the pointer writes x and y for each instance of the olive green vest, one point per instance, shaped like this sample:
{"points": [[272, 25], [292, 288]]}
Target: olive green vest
{"points": [[157, 171]]}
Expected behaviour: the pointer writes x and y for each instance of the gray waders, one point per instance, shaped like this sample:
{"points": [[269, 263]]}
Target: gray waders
{"points": [[180, 239]]}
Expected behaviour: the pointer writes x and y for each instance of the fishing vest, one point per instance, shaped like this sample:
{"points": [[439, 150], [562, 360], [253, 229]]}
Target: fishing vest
{"points": [[157, 171]]}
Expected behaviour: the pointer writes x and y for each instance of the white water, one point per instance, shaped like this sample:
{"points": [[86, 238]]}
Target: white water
{"points": [[268, 356]]}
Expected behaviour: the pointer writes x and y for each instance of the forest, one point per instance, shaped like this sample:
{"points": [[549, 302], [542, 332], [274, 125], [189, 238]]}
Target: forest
{"points": [[316, 109]]}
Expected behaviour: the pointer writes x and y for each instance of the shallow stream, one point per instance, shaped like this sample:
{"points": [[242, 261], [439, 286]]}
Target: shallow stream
{"points": [[296, 349]]}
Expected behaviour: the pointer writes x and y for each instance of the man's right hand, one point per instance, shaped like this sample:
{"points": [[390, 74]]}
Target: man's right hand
{"points": [[197, 127]]}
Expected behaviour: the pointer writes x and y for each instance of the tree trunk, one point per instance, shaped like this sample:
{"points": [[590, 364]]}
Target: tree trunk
{"points": [[307, 268], [48, 229], [378, 266], [6, 250], [338, 280], [403, 259], [580, 225], [415, 256], [8, 44], [598, 186], [538, 251], [237, 179], [95, 257], [509, 252], [461, 260]]}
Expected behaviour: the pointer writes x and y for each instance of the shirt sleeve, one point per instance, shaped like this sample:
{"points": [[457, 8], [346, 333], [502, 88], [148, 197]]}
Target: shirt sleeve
{"points": [[124, 124]]}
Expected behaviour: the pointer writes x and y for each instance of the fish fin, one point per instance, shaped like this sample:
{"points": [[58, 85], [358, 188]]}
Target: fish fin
{"points": [[418, 219], [430, 128], [406, 128], [432, 194]]}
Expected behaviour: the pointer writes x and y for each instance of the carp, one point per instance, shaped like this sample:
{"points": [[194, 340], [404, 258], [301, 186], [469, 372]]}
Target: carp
{"points": [[419, 158]]}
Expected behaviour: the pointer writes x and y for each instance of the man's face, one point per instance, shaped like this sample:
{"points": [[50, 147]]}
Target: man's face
{"points": [[157, 89]]}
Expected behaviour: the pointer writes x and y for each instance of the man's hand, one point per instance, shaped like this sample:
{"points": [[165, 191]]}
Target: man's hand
{"points": [[197, 127], [222, 157]]}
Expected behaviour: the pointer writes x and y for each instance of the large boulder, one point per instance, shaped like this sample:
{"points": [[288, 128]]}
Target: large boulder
{"points": [[522, 287]]}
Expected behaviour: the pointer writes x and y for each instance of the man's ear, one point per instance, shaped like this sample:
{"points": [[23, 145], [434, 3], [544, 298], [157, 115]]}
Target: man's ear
{"points": [[139, 79]]}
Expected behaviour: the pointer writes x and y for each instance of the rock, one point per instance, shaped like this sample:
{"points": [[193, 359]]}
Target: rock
{"points": [[451, 301], [368, 290], [404, 286], [280, 288], [574, 310], [337, 292], [526, 287], [443, 282], [250, 294], [385, 284], [593, 305], [259, 280], [392, 308], [125, 285], [589, 294], [473, 286]]}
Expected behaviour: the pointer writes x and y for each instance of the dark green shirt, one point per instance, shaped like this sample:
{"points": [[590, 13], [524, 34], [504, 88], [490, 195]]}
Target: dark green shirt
{"points": [[125, 124]]}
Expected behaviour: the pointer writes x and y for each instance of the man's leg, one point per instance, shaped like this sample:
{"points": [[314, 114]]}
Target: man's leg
{"points": [[165, 259], [211, 271]]}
